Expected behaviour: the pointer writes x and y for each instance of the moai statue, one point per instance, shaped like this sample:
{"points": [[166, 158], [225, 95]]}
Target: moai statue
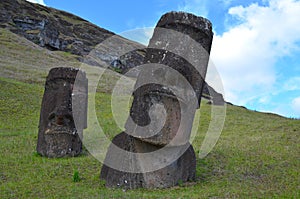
{"points": [[63, 113], [167, 93]]}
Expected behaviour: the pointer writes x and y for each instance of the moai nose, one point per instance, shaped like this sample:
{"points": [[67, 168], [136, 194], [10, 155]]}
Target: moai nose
{"points": [[60, 120]]}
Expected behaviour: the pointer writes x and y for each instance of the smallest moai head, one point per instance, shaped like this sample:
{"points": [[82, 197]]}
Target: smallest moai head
{"points": [[63, 113]]}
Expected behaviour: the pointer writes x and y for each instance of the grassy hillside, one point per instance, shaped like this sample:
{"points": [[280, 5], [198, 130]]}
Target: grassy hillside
{"points": [[257, 154], [28, 62]]}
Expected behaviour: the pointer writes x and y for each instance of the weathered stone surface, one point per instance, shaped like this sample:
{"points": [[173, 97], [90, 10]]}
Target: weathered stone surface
{"points": [[63, 113], [129, 61], [182, 43], [182, 169], [155, 152], [198, 28], [158, 117]]}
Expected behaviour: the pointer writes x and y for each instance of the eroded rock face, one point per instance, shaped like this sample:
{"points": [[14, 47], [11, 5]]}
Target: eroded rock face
{"points": [[51, 28], [167, 93], [60, 133]]}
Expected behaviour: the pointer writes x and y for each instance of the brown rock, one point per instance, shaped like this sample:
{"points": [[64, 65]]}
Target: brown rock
{"points": [[63, 113]]}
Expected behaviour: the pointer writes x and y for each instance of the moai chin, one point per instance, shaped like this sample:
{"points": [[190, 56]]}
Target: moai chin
{"points": [[167, 93], [63, 113]]}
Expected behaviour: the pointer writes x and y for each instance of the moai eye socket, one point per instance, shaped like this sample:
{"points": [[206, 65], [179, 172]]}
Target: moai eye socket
{"points": [[59, 120], [51, 116]]}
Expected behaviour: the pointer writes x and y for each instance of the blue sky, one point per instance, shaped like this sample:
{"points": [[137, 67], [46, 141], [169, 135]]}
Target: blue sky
{"points": [[256, 44]]}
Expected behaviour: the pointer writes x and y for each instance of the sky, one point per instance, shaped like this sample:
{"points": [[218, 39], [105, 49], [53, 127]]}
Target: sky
{"points": [[256, 44]]}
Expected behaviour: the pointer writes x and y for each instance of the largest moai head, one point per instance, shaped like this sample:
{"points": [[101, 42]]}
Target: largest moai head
{"points": [[63, 113], [169, 87], [167, 93]]}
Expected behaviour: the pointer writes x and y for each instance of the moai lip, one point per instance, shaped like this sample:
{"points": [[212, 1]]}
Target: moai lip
{"points": [[167, 93], [60, 133]]}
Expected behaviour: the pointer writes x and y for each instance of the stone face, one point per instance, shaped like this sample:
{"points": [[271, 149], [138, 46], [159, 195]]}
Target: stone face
{"points": [[63, 113], [154, 151]]}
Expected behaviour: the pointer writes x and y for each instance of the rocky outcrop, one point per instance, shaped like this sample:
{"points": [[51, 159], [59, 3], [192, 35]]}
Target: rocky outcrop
{"points": [[51, 28], [212, 95]]}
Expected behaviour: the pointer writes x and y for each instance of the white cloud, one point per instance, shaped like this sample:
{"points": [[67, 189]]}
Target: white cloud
{"points": [[246, 54], [296, 105], [292, 84], [37, 1], [265, 99]]}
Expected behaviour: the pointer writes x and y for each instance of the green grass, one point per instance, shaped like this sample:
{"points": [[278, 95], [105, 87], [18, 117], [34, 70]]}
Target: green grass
{"points": [[257, 155]]}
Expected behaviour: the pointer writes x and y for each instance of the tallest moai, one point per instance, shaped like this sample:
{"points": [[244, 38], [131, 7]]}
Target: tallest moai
{"points": [[154, 151]]}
